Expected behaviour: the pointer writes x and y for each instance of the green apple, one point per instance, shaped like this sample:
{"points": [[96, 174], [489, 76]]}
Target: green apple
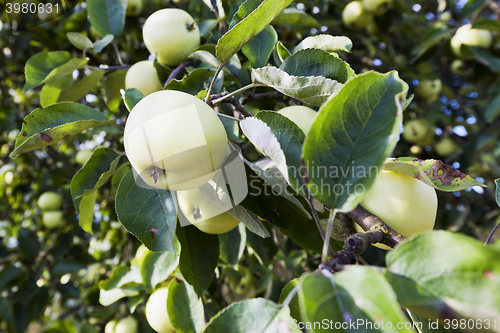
{"points": [[110, 326], [466, 35], [126, 325], [142, 75], [429, 90], [372, 28], [203, 214], [82, 156], [171, 35], [377, 7], [416, 130], [355, 16], [134, 7], [156, 311], [406, 204], [301, 115], [53, 219], [50, 201], [446, 146], [174, 141], [245, 286]]}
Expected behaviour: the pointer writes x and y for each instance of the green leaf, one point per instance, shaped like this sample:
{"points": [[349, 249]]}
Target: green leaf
{"points": [[111, 289], [46, 65], [44, 127], [157, 267], [107, 16], [185, 309], [355, 295], [431, 38], [114, 83], [118, 175], [432, 172], [314, 62], [206, 57], [471, 7], [486, 58], [353, 134], [326, 43], [149, 214], [246, 8], [85, 207], [52, 94], [307, 236], [314, 90], [52, 89], [251, 24], [294, 303], [131, 97], [232, 244], [99, 45], [8, 274], [260, 47], [450, 265], [193, 83], [493, 110], [199, 256], [85, 183], [290, 138], [80, 41], [249, 219], [295, 17], [283, 52], [253, 315], [277, 206], [486, 24]]}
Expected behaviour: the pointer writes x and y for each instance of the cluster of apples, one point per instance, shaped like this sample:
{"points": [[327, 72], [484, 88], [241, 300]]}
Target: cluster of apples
{"points": [[50, 203], [420, 132], [359, 14]]}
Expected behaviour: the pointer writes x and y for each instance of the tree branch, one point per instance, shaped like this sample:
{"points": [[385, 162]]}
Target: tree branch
{"points": [[177, 71], [230, 100], [494, 6], [274, 95], [368, 221]]}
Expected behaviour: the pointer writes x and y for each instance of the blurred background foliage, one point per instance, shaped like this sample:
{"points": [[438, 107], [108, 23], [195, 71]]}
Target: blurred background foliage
{"points": [[49, 277]]}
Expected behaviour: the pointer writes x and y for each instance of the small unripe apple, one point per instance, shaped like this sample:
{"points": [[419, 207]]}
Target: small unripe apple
{"points": [[355, 16], [406, 204], [82, 156], [467, 35], [134, 7], [302, 116], [446, 146], [415, 130], [171, 35], [203, 214], [142, 75], [126, 325], [174, 141], [53, 219], [429, 90], [110, 326], [50, 201], [156, 311], [377, 7]]}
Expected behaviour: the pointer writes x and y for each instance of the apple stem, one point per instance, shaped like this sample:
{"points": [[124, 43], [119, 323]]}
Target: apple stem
{"points": [[119, 58], [209, 91]]}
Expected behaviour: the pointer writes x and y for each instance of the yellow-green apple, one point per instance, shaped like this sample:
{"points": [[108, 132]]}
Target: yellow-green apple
{"points": [[127, 325], [429, 90], [171, 35], [49, 201], [406, 204], [156, 311], [466, 35], [302, 116], [377, 7], [53, 219], [355, 16], [142, 75], [174, 141], [446, 146], [134, 7], [204, 214]]}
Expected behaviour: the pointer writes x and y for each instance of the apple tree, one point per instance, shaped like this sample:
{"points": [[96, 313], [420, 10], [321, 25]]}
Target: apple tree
{"points": [[249, 166]]}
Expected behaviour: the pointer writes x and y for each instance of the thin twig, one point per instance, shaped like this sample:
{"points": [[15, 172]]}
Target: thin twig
{"points": [[230, 94], [207, 98], [326, 242], [177, 71], [494, 6], [273, 95], [231, 100], [492, 233], [368, 221], [109, 68], [228, 117], [119, 58]]}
